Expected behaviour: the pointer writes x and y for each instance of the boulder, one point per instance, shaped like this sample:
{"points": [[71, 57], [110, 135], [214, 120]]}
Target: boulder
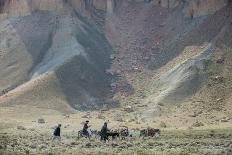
{"points": [[193, 115], [41, 121], [128, 109], [195, 8]]}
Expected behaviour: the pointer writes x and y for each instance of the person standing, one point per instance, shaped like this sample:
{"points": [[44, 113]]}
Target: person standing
{"points": [[56, 132], [104, 132]]}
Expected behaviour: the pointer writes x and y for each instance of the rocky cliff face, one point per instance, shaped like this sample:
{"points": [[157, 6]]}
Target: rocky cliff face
{"points": [[43, 36], [203, 7], [192, 8], [40, 37], [26, 7]]}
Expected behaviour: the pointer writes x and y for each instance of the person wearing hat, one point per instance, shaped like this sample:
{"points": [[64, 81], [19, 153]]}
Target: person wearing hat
{"points": [[86, 128]]}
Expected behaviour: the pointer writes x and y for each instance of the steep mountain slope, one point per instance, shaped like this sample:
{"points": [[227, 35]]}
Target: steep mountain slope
{"points": [[157, 56], [58, 41], [155, 48]]}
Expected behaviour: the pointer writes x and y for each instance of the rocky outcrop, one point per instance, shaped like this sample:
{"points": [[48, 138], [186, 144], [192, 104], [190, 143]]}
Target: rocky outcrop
{"points": [[2, 4], [192, 8], [26, 7], [167, 3], [13, 7], [35, 44], [196, 8], [100, 4], [87, 7], [174, 85], [50, 5]]}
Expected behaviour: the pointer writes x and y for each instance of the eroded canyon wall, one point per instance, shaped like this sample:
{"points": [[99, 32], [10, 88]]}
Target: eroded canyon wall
{"points": [[192, 8], [203, 7]]}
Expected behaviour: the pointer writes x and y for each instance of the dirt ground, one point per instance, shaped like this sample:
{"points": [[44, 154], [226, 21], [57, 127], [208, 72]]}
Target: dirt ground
{"points": [[20, 133]]}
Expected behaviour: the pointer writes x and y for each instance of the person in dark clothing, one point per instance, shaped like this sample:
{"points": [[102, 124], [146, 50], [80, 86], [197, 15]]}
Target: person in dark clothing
{"points": [[85, 129], [126, 132], [104, 132], [56, 133]]}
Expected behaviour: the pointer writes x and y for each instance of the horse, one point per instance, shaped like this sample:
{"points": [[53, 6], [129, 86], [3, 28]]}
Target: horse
{"points": [[91, 133], [113, 134]]}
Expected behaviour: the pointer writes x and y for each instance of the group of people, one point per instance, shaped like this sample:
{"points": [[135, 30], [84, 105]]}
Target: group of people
{"points": [[104, 133]]}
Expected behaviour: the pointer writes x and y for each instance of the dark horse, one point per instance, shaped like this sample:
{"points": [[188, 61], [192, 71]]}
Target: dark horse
{"points": [[113, 135]]}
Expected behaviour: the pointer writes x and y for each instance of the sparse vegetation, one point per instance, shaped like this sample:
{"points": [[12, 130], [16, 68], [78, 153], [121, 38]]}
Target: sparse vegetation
{"points": [[185, 142]]}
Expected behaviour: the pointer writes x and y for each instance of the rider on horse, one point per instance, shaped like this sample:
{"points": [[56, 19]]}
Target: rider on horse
{"points": [[86, 129]]}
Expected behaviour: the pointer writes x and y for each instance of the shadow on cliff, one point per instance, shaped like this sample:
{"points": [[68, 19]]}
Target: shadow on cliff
{"points": [[83, 79], [36, 31], [2, 4]]}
